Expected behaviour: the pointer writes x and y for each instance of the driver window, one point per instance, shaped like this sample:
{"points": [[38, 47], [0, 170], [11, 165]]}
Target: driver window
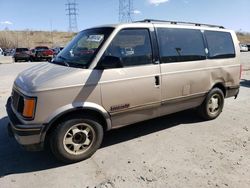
{"points": [[132, 47]]}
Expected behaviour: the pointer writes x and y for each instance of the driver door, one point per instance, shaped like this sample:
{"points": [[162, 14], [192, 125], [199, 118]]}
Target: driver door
{"points": [[131, 92]]}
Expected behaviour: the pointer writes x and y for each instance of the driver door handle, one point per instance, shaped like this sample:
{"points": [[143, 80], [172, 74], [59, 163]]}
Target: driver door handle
{"points": [[157, 81]]}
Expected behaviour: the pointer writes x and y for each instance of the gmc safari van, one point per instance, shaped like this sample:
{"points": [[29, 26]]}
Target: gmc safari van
{"points": [[115, 75]]}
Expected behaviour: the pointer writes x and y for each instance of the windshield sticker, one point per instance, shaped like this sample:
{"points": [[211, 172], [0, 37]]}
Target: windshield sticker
{"points": [[95, 38]]}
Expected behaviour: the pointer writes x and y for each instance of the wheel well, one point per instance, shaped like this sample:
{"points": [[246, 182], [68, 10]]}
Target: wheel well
{"points": [[95, 115], [222, 87]]}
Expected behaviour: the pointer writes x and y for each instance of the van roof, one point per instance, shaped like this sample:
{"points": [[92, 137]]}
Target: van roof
{"points": [[179, 23], [172, 24]]}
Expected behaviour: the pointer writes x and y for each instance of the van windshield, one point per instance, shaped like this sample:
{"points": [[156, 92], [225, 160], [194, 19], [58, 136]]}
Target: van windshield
{"points": [[83, 48]]}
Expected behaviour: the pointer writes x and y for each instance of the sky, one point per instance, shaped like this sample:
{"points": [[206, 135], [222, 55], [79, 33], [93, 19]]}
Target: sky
{"points": [[51, 15]]}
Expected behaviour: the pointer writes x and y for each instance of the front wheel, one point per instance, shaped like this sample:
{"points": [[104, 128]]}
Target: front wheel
{"points": [[76, 139], [213, 104]]}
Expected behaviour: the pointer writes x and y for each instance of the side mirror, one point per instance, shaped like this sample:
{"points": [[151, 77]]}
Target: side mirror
{"points": [[109, 62]]}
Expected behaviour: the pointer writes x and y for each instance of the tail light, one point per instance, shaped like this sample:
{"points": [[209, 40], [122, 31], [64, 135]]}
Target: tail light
{"points": [[48, 52]]}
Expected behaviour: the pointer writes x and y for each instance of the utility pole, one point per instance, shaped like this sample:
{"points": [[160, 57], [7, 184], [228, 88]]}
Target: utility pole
{"points": [[126, 11], [71, 12]]}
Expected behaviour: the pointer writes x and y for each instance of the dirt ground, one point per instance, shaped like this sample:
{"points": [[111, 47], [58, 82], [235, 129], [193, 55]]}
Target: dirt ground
{"points": [[178, 150]]}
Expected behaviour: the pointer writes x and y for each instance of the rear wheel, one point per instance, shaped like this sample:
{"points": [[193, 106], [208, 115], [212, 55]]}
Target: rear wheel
{"points": [[15, 60], [212, 105], [76, 139]]}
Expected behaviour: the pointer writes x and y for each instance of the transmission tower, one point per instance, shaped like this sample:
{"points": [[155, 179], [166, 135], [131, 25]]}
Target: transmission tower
{"points": [[126, 11], [71, 12]]}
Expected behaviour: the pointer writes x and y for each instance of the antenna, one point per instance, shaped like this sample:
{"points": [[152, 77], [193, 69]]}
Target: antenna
{"points": [[126, 11], [71, 12]]}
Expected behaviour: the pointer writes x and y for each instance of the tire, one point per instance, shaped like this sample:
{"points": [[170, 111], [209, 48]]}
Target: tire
{"points": [[15, 60], [212, 105], [76, 139]]}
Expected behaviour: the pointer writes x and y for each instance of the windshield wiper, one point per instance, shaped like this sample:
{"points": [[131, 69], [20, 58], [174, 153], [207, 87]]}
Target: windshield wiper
{"points": [[64, 61], [67, 63], [78, 65]]}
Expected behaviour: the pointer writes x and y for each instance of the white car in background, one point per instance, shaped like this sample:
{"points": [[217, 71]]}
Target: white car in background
{"points": [[1, 52], [243, 48]]}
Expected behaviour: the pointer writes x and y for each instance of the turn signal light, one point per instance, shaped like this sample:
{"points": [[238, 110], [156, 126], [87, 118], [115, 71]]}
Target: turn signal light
{"points": [[29, 107]]}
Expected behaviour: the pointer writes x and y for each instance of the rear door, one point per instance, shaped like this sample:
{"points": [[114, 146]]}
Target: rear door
{"points": [[131, 93], [182, 54]]}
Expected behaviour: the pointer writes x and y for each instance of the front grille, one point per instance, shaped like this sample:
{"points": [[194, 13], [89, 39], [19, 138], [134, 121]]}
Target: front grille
{"points": [[17, 101]]}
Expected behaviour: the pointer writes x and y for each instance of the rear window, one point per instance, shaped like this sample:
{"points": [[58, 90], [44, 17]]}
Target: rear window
{"points": [[220, 44], [22, 49], [179, 45]]}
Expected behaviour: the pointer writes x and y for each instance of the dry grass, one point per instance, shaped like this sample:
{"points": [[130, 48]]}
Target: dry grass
{"points": [[31, 39], [244, 38]]}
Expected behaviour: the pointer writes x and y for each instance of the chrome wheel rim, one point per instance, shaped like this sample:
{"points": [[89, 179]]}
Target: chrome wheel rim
{"points": [[79, 138], [214, 104]]}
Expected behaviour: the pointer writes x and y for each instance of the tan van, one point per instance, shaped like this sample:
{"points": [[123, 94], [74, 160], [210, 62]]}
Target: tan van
{"points": [[115, 75]]}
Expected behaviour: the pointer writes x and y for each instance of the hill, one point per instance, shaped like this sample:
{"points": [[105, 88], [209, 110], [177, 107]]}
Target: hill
{"points": [[244, 37], [30, 39]]}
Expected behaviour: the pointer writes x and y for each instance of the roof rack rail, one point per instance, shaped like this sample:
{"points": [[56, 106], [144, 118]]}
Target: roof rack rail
{"points": [[177, 22]]}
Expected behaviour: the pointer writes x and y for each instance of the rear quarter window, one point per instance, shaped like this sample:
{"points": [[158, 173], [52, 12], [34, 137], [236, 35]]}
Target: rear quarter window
{"points": [[220, 44]]}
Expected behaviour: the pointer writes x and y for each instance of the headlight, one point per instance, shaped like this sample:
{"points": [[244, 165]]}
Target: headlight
{"points": [[24, 105], [29, 107]]}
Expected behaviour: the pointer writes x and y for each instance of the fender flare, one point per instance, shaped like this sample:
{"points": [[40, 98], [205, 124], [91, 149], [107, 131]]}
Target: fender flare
{"points": [[79, 105]]}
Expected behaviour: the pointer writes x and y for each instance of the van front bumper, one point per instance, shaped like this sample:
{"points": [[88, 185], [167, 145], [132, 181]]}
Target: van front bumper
{"points": [[29, 136]]}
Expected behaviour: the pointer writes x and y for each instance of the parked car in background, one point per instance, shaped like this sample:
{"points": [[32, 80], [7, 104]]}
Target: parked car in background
{"points": [[8, 52], [248, 45], [1, 51], [21, 54], [57, 50], [40, 53], [243, 48]]}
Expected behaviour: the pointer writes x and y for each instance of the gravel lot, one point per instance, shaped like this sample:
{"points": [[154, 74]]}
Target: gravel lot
{"points": [[178, 150]]}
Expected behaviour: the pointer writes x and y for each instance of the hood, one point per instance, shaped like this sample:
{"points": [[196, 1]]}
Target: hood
{"points": [[48, 76]]}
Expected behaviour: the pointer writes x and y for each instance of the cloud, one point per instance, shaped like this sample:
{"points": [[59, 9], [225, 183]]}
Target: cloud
{"points": [[6, 23], [157, 2], [137, 12]]}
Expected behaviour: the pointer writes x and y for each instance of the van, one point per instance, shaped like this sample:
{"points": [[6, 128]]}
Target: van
{"points": [[116, 75]]}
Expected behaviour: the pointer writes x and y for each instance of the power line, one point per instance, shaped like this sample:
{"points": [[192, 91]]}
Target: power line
{"points": [[126, 11], [72, 12]]}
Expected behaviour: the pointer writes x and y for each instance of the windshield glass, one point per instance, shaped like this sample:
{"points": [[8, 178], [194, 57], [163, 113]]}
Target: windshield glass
{"points": [[83, 48]]}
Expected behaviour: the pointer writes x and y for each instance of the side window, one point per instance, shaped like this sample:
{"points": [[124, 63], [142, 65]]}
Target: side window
{"points": [[132, 47], [178, 45], [220, 44]]}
